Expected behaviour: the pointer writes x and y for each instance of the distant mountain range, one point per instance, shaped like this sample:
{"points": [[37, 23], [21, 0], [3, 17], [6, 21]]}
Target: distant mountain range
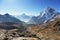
{"points": [[45, 16], [24, 17]]}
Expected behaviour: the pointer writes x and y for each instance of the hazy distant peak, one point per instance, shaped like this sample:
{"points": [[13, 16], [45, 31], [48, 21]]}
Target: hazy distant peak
{"points": [[24, 17], [23, 14]]}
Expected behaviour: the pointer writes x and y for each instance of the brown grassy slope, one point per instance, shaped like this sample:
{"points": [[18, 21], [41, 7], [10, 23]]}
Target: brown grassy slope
{"points": [[50, 30]]}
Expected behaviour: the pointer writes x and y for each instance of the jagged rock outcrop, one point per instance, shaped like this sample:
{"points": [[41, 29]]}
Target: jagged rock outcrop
{"points": [[45, 16]]}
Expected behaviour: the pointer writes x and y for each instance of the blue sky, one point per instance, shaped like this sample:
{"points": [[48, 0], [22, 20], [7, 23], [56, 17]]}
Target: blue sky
{"points": [[29, 7]]}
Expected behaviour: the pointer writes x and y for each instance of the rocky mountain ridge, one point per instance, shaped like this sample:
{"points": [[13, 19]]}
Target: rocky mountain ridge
{"points": [[45, 16]]}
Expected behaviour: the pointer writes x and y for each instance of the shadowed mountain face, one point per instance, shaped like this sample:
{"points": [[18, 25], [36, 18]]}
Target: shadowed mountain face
{"points": [[9, 18], [9, 22], [46, 15]]}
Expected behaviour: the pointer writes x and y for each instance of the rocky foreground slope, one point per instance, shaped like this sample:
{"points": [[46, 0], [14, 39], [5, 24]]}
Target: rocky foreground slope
{"points": [[16, 34], [47, 31]]}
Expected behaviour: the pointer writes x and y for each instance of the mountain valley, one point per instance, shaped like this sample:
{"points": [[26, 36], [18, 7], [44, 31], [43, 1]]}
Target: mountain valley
{"points": [[45, 26]]}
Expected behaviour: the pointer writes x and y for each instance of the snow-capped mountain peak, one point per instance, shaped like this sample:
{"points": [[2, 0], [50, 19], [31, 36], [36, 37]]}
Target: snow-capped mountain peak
{"points": [[46, 15]]}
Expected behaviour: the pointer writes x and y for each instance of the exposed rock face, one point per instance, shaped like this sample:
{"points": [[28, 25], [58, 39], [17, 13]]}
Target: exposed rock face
{"points": [[25, 38], [45, 16], [15, 33], [2, 34]]}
